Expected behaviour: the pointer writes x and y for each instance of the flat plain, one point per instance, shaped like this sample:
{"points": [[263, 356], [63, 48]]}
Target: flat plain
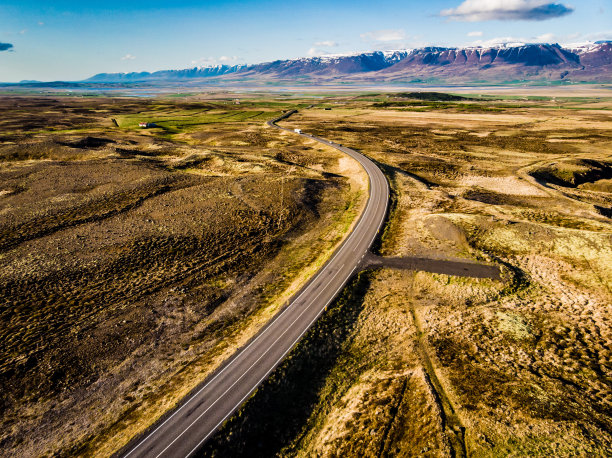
{"points": [[134, 261]]}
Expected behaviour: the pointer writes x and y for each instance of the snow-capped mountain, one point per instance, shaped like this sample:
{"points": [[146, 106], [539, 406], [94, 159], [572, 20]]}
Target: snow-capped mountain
{"points": [[504, 62], [325, 66]]}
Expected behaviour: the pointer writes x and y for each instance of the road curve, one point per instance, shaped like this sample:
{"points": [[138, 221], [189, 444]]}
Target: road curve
{"points": [[183, 431]]}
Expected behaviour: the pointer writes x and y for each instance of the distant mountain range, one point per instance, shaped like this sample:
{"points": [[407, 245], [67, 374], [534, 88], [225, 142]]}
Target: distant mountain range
{"points": [[504, 63], [166, 75]]}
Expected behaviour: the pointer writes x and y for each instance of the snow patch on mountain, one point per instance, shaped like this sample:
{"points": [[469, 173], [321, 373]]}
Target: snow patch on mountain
{"points": [[505, 61]]}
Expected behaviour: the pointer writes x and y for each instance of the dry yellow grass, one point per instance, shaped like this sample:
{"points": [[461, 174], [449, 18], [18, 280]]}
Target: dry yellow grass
{"points": [[523, 365]]}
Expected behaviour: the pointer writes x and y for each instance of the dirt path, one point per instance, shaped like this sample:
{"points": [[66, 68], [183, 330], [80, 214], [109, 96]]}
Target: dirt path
{"points": [[451, 422], [439, 266]]}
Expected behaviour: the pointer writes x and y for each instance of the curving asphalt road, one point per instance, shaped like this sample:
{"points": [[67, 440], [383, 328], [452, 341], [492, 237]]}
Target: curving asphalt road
{"points": [[181, 433]]}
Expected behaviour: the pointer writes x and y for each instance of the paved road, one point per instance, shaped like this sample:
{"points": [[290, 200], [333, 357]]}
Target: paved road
{"points": [[181, 433]]}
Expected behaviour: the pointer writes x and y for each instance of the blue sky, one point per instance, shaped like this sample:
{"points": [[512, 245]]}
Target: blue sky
{"points": [[72, 40]]}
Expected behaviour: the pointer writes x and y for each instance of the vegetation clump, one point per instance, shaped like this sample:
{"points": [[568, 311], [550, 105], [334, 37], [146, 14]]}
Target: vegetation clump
{"points": [[431, 96]]}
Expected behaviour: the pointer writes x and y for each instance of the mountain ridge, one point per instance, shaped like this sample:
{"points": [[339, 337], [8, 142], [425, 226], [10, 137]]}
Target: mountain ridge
{"points": [[590, 62], [194, 72]]}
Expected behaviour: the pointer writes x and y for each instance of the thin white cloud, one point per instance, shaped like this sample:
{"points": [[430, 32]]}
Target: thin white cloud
{"points": [[212, 61], [599, 36], [474, 34], [204, 61], [128, 57], [499, 41], [506, 10], [569, 41], [546, 38], [326, 44], [314, 51], [384, 35]]}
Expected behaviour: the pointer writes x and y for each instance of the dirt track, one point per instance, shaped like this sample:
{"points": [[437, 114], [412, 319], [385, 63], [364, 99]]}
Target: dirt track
{"points": [[438, 266]]}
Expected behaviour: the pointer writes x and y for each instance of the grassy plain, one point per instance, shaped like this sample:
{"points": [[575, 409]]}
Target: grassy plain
{"points": [[419, 364], [134, 261]]}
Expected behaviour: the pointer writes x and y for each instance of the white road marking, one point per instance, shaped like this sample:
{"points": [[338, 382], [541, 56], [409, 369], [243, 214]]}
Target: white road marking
{"points": [[268, 373], [244, 373], [315, 278], [371, 170]]}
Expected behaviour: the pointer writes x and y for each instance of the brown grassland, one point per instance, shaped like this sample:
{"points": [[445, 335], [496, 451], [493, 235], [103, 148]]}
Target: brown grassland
{"points": [[134, 261]]}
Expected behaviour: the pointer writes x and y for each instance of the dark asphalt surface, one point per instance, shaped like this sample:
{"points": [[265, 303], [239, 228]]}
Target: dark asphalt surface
{"points": [[456, 267], [182, 432]]}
